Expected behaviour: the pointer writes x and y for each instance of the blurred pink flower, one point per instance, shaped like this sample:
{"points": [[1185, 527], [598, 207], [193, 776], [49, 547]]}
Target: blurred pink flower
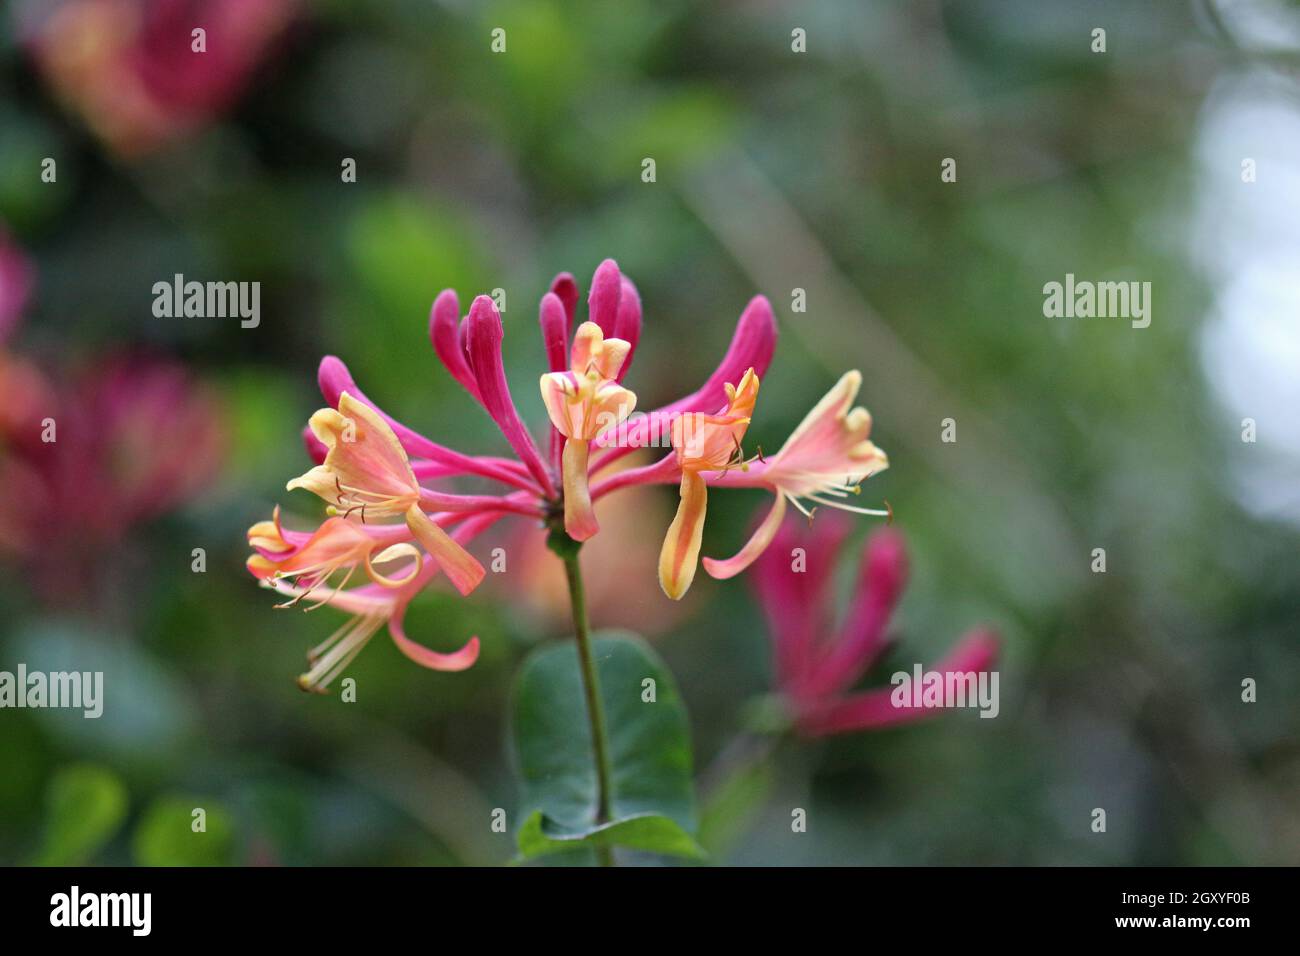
{"points": [[132, 438], [17, 275], [815, 664], [129, 67]]}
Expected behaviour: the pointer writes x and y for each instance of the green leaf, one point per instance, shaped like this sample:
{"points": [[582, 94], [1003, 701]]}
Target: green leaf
{"points": [[87, 804], [652, 802], [649, 831], [166, 835]]}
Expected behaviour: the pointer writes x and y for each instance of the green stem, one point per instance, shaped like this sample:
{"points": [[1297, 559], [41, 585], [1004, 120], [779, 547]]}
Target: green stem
{"points": [[567, 549]]}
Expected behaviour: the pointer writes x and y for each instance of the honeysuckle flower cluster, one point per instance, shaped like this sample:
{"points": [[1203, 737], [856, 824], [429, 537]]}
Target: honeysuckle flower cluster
{"points": [[393, 513], [816, 665], [130, 67]]}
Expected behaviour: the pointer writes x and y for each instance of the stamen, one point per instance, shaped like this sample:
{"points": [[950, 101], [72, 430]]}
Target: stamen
{"points": [[347, 643], [315, 653], [842, 507], [802, 510], [341, 585]]}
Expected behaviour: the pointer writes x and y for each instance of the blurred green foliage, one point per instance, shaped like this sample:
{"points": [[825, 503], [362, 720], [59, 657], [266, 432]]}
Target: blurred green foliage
{"points": [[85, 806], [775, 171], [170, 834]]}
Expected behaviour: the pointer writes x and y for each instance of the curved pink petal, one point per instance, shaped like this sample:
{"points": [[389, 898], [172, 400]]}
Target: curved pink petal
{"points": [[754, 547], [602, 301], [555, 332], [564, 286], [316, 449], [795, 594], [483, 336], [554, 316], [628, 324], [864, 711], [455, 661], [974, 653], [444, 333]]}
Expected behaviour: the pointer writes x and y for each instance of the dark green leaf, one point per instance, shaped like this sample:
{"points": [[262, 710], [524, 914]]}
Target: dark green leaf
{"points": [[649, 831], [652, 804]]}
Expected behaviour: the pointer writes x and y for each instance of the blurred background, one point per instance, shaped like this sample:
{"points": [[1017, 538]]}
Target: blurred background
{"points": [[776, 170]]}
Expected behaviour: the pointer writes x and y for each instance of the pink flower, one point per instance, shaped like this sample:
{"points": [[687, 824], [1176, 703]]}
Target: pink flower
{"points": [[372, 469], [366, 470], [131, 67], [87, 457], [824, 461], [816, 664], [285, 560], [124, 440], [313, 560]]}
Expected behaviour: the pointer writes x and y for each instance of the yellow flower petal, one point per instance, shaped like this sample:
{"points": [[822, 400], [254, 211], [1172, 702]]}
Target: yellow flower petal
{"points": [[579, 516], [681, 548], [461, 567], [365, 465]]}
